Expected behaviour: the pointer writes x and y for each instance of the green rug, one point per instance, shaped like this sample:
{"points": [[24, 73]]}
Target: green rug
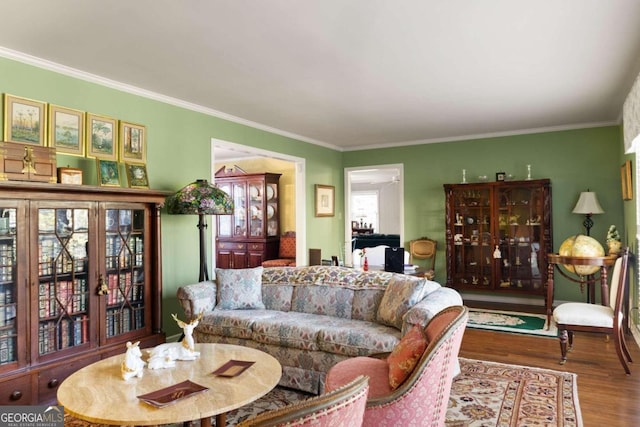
{"points": [[511, 321]]}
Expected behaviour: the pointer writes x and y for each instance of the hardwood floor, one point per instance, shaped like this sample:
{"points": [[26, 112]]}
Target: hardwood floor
{"points": [[608, 397]]}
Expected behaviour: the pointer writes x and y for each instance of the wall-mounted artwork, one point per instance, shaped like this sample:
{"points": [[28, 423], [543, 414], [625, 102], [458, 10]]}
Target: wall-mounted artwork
{"points": [[25, 120], [66, 130], [133, 142], [102, 137]]}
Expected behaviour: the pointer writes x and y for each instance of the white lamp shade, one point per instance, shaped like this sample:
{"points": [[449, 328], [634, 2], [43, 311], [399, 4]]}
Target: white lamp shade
{"points": [[588, 204]]}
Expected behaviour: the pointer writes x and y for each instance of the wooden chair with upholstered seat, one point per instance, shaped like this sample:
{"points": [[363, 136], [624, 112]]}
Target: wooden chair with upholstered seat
{"points": [[341, 407], [286, 252], [421, 249], [584, 317], [414, 382]]}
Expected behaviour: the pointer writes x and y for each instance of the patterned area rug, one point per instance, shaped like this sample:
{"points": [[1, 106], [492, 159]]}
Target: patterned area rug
{"points": [[485, 394], [510, 321]]}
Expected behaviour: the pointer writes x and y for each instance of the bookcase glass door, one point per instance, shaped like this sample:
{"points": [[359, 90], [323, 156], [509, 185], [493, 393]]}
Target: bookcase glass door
{"points": [[8, 291], [124, 261], [63, 293]]}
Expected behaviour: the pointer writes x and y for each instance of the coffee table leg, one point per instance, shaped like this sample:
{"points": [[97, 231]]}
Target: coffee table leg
{"points": [[221, 420]]}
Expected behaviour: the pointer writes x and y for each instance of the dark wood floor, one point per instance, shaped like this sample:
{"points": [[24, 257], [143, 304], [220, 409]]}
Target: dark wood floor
{"points": [[608, 397]]}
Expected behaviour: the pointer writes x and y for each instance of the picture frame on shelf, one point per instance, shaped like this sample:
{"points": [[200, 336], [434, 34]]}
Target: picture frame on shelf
{"points": [[324, 200], [70, 176], [133, 142], [25, 120], [137, 175], [66, 130], [102, 137], [501, 176], [108, 173], [625, 177]]}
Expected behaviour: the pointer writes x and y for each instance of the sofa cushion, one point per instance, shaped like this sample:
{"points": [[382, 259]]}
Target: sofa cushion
{"points": [[233, 323], [357, 338], [297, 330], [239, 288], [402, 293], [277, 297], [327, 300], [405, 356]]}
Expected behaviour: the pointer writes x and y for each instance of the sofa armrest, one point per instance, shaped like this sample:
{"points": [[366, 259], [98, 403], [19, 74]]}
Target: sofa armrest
{"points": [[197, 298], [432, 304]]}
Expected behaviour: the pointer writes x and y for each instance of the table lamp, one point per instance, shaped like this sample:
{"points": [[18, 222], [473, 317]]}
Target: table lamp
{"points": [[200, 198], [588, 205]]}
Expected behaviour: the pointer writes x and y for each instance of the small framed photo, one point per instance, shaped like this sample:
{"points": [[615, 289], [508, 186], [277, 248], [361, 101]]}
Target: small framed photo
{"points": [[70, 176], [625, 176], [325, 200], [66, 130], [108, 173], [133, 142], [500, 176], [137, 175], [102, 137], [25, 120]]}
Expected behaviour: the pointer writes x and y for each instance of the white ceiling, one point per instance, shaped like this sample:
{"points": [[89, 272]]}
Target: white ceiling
{"points": [[352, 73]]}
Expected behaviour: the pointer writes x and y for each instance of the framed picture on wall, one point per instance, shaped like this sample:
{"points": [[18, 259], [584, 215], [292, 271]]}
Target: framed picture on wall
{"points": [[625, 177], [25, 120], [102, 137], [133, 142], [137, 175], [66, 130], [325, 200], [108, 173]]}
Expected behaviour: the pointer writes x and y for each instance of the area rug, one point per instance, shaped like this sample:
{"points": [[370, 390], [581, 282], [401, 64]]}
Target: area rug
{"points": [[511, 321], [485, 394]]}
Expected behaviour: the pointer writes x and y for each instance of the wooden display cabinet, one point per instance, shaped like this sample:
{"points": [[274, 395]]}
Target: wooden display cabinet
{"points": [[80, 275], [252, 234], [498, 235]]}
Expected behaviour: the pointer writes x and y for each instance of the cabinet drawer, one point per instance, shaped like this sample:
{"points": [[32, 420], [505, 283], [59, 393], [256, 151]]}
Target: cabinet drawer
{"points": [[256, 247], [232, 245], [16, 391], [50, 379]]}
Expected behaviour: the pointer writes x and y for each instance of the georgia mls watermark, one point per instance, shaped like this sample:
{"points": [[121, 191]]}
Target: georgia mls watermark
{"points": [[31, 416]]}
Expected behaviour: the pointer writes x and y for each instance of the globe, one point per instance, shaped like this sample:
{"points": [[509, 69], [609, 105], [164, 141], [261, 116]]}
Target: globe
{"points": [[582, 246]]}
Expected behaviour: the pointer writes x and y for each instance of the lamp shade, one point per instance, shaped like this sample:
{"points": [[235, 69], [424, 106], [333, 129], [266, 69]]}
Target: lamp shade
{"points": [[588, 204], [200, 198]]}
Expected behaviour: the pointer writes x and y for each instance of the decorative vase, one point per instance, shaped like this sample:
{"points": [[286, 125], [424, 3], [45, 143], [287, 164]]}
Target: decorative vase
{"points": [[615, 247]]}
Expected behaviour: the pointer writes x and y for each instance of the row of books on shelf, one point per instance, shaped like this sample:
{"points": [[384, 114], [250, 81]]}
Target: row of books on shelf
{"points": [[114, 244], [68, 332], [125, 320], [62, 296], [61, 265], [125, 286], [7, 347], [7, 305]]}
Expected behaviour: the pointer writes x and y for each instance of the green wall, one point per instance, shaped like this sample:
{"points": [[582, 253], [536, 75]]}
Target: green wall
{"points": [[179, 151]]}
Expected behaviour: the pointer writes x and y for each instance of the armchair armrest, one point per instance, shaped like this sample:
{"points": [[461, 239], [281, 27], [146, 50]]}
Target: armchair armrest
{"points": [[432, 304], [197, 298]]}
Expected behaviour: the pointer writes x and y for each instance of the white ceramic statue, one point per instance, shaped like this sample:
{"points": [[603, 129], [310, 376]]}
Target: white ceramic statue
{"points": [[132, 365], [165, 355]]}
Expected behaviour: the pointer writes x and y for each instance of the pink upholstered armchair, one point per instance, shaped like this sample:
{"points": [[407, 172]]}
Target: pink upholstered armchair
{"points": [[411, 387], [341, 407], [286, 253]]}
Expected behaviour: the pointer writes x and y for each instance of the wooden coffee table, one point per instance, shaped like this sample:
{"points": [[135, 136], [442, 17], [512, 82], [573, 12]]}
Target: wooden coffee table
{"points": [[98, 394]]}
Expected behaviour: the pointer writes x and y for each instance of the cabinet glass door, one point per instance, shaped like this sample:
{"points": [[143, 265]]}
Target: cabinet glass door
{"points": [[519, 227], [271, 197], [473, 241], [8, 290], [123, 285], [256, 209], [63, 294]]}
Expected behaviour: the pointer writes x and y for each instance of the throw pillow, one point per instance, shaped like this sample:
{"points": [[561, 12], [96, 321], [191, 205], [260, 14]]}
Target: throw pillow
{"points": [[404, 357], [239, 288], [402, 293]]}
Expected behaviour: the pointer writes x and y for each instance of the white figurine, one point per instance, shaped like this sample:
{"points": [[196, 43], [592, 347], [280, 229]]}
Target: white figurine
{"points": [[132, 365], [165, 355]]}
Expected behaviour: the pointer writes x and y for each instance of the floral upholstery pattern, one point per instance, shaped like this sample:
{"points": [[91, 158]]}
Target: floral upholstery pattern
{"points": [[314, 317], [405, 356], [239, 288], [399, 297]]}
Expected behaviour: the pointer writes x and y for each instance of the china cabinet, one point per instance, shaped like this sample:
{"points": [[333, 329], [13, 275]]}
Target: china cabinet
{"points": [[498, 235], [251, 235], [80, 275]]}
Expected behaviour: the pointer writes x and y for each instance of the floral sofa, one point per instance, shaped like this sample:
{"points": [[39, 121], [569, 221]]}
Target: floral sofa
{"points": [[310, 318]]}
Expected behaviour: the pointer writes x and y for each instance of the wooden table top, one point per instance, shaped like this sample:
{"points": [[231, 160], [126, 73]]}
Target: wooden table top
{"points": [[97, 393]]}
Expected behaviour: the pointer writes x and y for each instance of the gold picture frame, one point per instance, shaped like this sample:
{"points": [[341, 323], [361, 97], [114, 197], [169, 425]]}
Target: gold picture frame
{"points": [[25, 120], [66, 130], [625, 178], [133, 142], [108, 173], [325, 200], [102, 137], [137, 175]]}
